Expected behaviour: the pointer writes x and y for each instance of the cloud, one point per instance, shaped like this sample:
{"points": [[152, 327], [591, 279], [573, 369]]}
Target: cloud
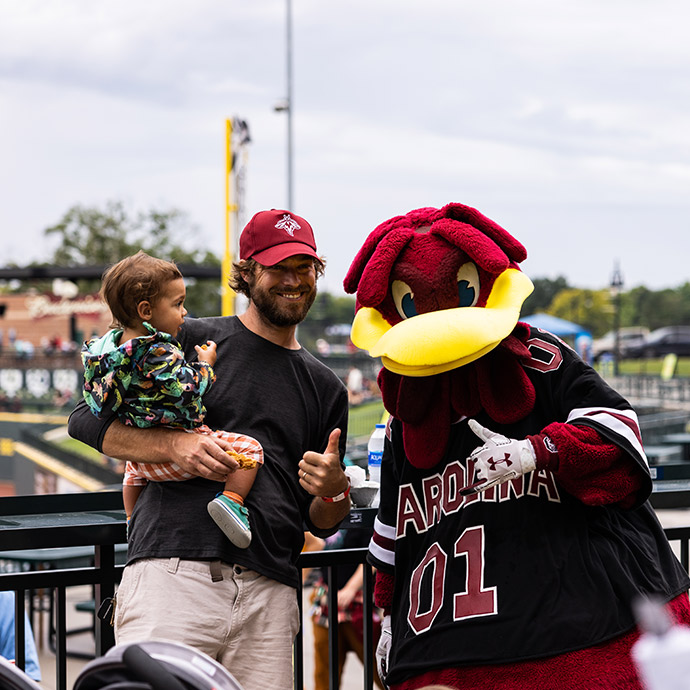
{"points": [[566, 122]]}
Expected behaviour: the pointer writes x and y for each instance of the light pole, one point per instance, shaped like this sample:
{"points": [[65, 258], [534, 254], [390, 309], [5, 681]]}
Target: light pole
{"points": [[285, 106], [236, 140], [616, 286]]}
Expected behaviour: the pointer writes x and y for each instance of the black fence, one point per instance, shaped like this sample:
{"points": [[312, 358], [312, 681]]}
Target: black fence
{"points": [[668, 393], [53, 542]]}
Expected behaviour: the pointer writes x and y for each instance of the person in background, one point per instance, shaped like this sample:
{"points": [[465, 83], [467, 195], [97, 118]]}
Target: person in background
{"points": [[311, 543], [7, 638], [183, 580], [354, 384]]}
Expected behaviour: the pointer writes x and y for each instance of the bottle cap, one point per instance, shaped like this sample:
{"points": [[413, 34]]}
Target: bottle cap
{"points": [[652, 616]]}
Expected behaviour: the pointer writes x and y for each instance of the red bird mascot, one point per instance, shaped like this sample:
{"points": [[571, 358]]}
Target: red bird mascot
{"points": [[514, 534]]}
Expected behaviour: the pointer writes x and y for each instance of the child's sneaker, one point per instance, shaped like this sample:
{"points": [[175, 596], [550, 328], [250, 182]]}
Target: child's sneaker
{"points": [[232, 518]]}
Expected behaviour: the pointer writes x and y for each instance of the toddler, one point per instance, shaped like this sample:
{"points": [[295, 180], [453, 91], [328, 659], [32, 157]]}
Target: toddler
{"points": [[139, 371]]}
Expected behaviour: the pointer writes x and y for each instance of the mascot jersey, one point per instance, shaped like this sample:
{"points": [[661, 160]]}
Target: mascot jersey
{"points": [[525, 569], [529, 584]]}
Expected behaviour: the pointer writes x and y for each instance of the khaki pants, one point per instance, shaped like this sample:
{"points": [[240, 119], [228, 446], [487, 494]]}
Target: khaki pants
{"points": [[246, 622]]}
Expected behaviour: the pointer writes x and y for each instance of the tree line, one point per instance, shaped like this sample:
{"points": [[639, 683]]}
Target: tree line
{"points": [[89, 235], [595, 310]]}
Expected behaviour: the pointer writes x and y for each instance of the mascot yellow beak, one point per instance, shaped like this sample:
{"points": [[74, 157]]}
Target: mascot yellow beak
{"points": [[439, 341]]}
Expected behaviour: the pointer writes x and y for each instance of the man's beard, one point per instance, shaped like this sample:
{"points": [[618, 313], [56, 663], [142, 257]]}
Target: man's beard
{"points": [[280, 315]]}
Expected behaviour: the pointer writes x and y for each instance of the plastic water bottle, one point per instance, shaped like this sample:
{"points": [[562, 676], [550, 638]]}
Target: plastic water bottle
{"points": [[375, 451], [662, 654]]}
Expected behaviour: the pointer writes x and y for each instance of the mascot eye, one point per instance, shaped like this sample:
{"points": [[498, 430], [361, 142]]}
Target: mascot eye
{"points": [[468, 285], [403, 297]]}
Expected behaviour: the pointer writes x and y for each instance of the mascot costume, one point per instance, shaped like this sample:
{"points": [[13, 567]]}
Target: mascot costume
{"points": [[514, 533]]}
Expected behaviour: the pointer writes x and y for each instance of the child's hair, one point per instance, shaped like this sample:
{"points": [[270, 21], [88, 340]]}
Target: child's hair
{"points": [[135, 279]]}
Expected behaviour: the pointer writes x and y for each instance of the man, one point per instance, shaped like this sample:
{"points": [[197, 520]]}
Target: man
{"points": [[184, 581]]}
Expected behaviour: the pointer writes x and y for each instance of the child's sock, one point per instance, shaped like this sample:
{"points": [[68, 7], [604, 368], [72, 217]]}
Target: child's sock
{"points": [[234, 497]]}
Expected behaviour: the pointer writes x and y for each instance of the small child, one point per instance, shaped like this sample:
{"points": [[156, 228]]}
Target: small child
{"points": [[139, 371]]}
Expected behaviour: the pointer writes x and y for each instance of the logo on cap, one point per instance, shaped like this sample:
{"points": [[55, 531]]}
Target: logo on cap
{"points": [[288, 224], [272, 236]]}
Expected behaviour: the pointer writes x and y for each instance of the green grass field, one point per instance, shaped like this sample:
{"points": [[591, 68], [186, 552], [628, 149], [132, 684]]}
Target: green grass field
{"points": [[363, 418], [651, 367]]}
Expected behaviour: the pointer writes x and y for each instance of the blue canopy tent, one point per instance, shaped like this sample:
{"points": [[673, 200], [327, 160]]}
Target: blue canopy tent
{"points": [[553, 324], [574, 334]]}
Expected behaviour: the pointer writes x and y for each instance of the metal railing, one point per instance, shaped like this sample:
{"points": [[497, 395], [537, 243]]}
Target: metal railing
{"points": [[674, 392], [330, 561], [65, 524], [38, 535], [53, 542]]}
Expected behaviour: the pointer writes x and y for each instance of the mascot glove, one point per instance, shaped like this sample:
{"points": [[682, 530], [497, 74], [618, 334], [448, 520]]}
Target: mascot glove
{"points": [[383, 649], [499, 459]]}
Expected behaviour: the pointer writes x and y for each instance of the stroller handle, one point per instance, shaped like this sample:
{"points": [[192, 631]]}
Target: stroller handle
{"points": [[150, 670]]}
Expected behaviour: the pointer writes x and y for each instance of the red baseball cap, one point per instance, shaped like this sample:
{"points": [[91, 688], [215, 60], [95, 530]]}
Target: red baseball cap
{"points": [[272, 236]]}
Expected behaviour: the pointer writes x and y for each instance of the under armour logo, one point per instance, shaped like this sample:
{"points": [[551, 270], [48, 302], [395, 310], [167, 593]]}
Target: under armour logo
{"points": [[289, 224], [492, 463]]}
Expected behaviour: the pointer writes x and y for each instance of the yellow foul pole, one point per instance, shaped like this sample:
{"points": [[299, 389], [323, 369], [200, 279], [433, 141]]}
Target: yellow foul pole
{"points": [[228, 294]]}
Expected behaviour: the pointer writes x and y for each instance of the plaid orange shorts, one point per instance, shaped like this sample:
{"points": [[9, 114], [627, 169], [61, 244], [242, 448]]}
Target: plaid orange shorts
{"points": [[138, 473]]}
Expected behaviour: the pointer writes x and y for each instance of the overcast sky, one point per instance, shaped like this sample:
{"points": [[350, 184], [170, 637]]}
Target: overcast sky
{"points": [[567, 122]]}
